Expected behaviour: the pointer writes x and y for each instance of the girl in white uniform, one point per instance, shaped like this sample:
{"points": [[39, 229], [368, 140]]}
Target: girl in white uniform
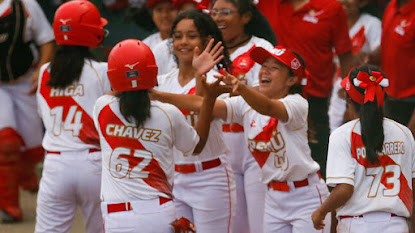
{"points": [[68, 88], [275, 123], [370, 163], [233, 18], [200, 177], [163, 52], [137, 138], [163, 14], [365, 32]]}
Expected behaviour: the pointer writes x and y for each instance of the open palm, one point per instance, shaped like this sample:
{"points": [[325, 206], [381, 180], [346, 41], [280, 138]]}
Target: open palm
{"points": [[205, 61]]}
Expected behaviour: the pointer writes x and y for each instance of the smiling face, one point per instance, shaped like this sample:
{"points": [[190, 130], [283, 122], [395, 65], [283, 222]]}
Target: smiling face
{"points": [[185, 38], [274, 78], [163, 16], [229, 21]]}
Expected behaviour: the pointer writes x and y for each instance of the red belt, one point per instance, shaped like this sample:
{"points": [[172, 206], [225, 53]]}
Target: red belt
{"points": [[283, 186], [361, 216], [190, 168], [126, 206], [58, 152], [232, 128]]}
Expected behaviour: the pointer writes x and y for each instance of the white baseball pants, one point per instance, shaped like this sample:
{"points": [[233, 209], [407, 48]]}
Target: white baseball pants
{"points": [[145, 216], [373, 222], [69, 179], [290, 212]]}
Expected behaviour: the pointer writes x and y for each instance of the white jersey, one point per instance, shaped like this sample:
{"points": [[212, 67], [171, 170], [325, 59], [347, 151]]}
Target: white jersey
{"points": [[37, 27], [137, 163], [280, 148], [385, 187], [365, 35], [245, 68], [67, 113], [215, 145], [152, 40], [164, 56]]}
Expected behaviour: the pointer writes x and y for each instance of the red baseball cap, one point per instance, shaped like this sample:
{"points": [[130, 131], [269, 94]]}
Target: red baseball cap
{"points": [[283, 55], [201, 4], [152, 3]]}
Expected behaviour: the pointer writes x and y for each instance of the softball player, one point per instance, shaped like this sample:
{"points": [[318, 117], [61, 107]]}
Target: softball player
{"points": [[208, 174], [68, 88], [163, 51], [163, 14], [137, 138], [249, 188], [22, 22], [370, 162], [274, 118], [365, 33]]}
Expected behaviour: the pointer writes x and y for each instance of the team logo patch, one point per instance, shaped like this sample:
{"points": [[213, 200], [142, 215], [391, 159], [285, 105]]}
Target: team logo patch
{"points": [[347, 85], [132, 65], [131, 74], [295, 64], [278, 52], [65, 28], [311, 16], [63, 21], [400, 29]]}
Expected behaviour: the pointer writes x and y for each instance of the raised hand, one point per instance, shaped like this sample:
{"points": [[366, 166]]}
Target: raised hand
{"points": [[236, 84], [215, 89], [205, 61]]}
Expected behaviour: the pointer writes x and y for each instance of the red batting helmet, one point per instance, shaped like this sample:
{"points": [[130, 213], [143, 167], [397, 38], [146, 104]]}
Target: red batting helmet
{"points": [[78, 22], [131, 66]]}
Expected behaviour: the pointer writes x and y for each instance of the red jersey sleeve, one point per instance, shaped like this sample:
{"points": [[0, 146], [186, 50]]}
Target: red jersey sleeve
{"points": [[342, 42]]}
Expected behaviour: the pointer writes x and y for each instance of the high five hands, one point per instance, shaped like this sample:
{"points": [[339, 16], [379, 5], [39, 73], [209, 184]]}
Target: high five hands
{"points": [[205, 61]]}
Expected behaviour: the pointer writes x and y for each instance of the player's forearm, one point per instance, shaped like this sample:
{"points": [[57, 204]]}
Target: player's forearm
{"points": [[203, 123], [374, 57], [46, 52], [347, 62], [337, 198], [182, 101], [263, 104]]}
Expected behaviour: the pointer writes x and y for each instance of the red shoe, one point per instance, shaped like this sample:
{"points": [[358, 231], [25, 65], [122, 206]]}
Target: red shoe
{"points": [[11, 215]]}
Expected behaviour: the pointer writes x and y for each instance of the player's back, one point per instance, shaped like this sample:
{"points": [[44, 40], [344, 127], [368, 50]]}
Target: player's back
{"points": [[67, 112], [138, 161], [385, 186]]}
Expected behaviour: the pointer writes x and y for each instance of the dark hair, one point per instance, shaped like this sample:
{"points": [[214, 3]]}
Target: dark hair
{"points": [[142, 17], [258, 25], [298, 87], [66, 65], [206, 27], [135, 106], [371, 118]]}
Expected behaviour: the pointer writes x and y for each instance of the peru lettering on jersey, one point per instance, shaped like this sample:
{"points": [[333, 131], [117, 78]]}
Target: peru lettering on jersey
{"points": [[215, 145], [385, 186], [138, 162], [280, 148], [245, 69], [67, 112]]}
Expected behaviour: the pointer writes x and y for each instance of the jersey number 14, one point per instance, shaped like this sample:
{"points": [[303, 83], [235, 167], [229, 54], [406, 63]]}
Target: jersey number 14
{"points": [[72, 121]]}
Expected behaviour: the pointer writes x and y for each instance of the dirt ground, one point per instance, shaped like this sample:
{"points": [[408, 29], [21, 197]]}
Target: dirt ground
{"points": [[28, 204]]}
